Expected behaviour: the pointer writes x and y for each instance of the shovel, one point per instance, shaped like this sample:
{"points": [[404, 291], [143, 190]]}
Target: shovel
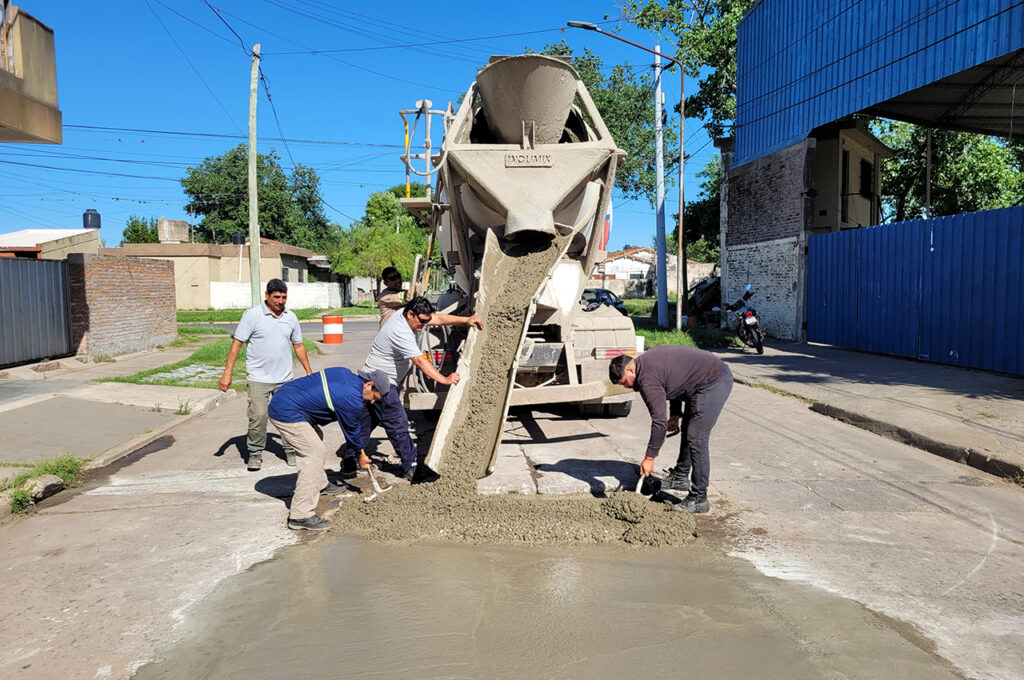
{"points": [[377, 490]]}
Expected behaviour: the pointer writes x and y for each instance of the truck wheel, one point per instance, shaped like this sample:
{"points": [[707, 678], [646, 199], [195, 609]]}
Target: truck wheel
{"points": [[619, 409], [589, 410]]}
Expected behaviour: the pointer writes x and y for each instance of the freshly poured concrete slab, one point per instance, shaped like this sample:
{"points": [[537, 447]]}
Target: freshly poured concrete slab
{"points": [[66, 426]]}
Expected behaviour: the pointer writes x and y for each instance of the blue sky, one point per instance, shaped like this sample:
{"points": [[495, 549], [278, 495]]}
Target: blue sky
{"points": [[176, 71]]}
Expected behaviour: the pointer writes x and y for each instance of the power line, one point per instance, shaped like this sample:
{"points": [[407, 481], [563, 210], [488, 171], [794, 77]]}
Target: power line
{"points": [[422, 44], [185, 56], [107, 128]]}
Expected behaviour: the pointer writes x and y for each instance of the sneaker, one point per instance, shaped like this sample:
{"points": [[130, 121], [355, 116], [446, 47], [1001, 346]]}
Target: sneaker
{"points": [[313, 523], [676, 481], [289, 458], [349, 466], [409, 472], [333, 489], [694, 504], [255, 462]]}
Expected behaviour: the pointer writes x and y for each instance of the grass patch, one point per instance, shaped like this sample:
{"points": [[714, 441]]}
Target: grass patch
{"points": [[199, 331], [754, 382], [235, 315], [212, 354], [68, 468], [702, 337], [102, 359]]}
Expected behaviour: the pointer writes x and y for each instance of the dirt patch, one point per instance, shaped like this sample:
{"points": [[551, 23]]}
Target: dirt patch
{"points": [[450, 509]]}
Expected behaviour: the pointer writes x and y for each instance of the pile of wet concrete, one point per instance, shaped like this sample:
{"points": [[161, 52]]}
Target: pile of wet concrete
{"points": [[450, 509]]}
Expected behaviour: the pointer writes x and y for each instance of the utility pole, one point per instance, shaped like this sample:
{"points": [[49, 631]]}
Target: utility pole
{"points": [[682, 285], [254, 225], [659, 170]]}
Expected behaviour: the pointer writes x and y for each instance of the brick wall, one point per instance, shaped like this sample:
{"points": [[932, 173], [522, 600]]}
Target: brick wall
{"points": [[770, 198], [767, 208], [120, 304], [770, 268]]}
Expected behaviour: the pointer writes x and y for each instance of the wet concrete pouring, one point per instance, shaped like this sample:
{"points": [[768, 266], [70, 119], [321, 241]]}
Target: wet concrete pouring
{"points": [[560, 587]]}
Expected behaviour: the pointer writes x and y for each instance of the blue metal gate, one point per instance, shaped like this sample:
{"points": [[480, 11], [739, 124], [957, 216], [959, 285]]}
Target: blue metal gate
{"points": [[948, 290], [35, 310]]}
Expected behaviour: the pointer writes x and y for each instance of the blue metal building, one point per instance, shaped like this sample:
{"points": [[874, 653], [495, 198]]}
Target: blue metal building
{"points": [[927, 289], [945, 63]]}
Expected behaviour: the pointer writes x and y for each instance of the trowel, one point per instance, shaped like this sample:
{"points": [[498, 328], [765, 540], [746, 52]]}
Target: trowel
{"points": [[377, 490]]}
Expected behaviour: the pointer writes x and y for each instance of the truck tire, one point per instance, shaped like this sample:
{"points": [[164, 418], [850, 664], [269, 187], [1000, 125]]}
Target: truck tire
{"points": [[619, 409], [589, 410]]}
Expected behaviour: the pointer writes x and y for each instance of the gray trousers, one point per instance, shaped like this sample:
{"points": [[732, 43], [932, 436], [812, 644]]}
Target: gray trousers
{"points": [[700, 413], [259, 399], [307, 441]]}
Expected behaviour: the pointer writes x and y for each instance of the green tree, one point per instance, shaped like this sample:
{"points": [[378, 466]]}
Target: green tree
{"points": [[312, 229], [702, 218], [705, 35], [386, 236], [218, 190], [970, 172], [625, 99], [140, 230]]}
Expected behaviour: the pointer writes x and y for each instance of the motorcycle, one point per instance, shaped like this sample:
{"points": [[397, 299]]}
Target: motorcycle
{"points": [[748, 327]]}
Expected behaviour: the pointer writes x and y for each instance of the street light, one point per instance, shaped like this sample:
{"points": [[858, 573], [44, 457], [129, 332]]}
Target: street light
{"points": [[682, 286]]}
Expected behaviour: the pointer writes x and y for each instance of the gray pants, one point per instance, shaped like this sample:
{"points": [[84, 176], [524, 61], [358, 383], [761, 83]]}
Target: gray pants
{"points": [[700, 413], [259, 399], [307, 441]]}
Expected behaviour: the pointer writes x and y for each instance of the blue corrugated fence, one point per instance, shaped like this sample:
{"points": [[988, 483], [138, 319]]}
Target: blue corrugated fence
{"points": [[948, 290]]}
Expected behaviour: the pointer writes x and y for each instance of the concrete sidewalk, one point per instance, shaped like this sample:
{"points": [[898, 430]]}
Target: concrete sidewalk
{"points": [[973, 417]]}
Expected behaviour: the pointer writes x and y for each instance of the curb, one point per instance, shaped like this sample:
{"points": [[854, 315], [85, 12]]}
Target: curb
{"points": [[961, 454], [129, 447]]}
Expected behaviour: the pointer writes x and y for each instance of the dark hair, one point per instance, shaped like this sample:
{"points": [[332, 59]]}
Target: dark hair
{"points": [[388, 273], [617, 367], [419, 306], [276, 286]]}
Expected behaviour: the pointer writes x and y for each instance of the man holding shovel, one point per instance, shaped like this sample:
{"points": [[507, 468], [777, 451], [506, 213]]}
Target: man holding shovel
{"points": [[696, 385], [299, 408]]}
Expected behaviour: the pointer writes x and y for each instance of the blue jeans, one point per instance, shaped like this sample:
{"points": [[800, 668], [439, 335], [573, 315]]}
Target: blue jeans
{"points": [[389, 412]]}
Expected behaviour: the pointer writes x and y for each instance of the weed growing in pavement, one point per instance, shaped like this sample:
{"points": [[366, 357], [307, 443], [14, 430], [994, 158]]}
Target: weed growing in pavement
{"points": [[21, 502], [754, 382], [156, 409], [1018, 479], [986, 414], [68, 468], [102, 359], [184, 407]]}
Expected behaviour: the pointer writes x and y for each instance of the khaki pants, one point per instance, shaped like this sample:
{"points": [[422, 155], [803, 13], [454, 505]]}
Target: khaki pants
{"points": [[259, 398], [310, 457]]}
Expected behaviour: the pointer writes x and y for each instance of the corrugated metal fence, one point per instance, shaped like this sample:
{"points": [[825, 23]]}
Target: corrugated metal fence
{"points": [[35, 311], [948, 290]]}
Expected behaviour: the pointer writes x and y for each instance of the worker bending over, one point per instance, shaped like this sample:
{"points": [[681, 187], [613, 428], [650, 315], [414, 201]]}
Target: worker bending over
{"points": [[696, 385], [299, 408]]}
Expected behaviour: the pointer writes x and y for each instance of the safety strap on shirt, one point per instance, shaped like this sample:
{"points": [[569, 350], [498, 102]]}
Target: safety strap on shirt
{"points": [[327, 394]]}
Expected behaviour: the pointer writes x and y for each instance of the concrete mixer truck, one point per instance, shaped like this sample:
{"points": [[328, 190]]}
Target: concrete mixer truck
{"points": [[520, 214]]}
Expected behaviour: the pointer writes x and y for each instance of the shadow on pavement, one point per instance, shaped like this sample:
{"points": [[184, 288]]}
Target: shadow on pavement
{"points": [[590, 471]]}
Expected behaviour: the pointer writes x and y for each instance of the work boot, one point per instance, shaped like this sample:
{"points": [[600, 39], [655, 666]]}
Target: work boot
{"points": [[255, 462], [409, 472], [289, 458], [349, 466], [311, 523], [676, 481], [694, 503], [333, 489]]}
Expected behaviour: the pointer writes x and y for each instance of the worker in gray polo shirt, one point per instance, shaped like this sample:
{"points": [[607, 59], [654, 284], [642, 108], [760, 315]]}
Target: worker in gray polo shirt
{"points": [[271, 331]]}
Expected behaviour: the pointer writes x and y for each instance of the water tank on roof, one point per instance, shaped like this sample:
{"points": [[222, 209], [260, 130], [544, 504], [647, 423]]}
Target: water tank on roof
{"points": [[91, 219], [238, 239]]}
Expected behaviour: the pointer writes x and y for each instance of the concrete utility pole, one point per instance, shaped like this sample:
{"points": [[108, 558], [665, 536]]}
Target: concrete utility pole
{"points": [[254, 224], [659, 184], [681, 278], [682, 285]]}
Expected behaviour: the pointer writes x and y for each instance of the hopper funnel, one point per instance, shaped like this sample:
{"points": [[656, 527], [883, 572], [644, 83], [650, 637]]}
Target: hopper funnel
{"points": [[530, 88]]}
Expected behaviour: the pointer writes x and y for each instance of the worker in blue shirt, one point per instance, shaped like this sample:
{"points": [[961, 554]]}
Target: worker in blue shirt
{"points": [[299, 408]]}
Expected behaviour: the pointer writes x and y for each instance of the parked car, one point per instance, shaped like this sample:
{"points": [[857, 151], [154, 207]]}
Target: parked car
{"points": [[603, 296]]}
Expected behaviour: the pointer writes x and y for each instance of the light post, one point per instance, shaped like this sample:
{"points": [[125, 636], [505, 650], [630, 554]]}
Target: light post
{"points": [[682, 286]]}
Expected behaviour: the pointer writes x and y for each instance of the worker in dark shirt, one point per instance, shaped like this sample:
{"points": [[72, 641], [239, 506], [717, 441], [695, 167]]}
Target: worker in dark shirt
{"points": [[299, 408], [696, 385]]}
